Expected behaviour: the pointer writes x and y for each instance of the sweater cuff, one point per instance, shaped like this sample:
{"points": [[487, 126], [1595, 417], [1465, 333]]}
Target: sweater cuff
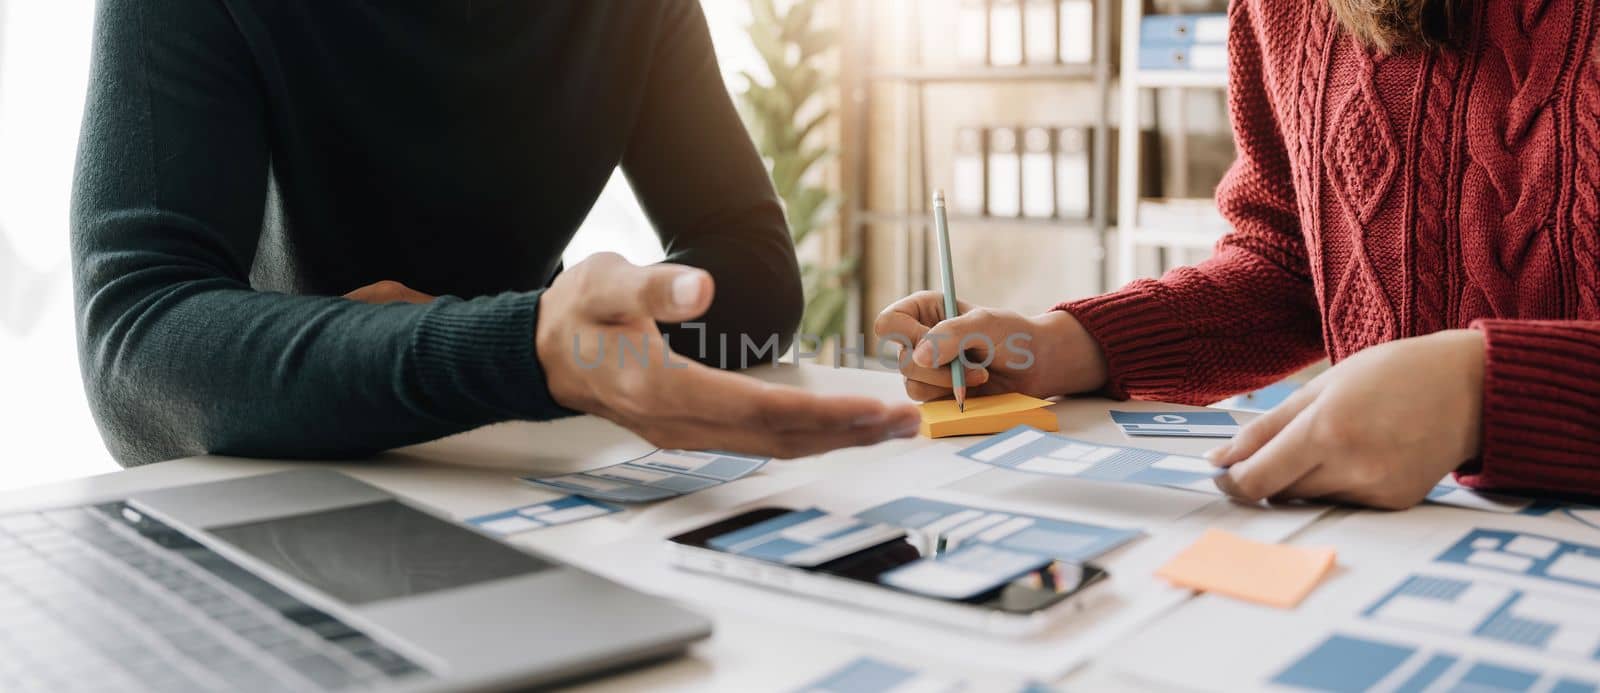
{"points": [[1145, 345], [1541, 408], [475, 361]]}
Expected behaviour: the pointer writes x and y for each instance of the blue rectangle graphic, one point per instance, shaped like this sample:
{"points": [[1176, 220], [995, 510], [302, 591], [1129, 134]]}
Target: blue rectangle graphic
{"points": [[1028, 449]]}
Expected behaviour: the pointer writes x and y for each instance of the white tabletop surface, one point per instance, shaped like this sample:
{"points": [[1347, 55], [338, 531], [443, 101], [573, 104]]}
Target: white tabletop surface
{"points": [[474, 473]]}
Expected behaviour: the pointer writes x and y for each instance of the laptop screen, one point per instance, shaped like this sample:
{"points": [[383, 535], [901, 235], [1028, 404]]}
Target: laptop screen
{"points": [[379, 551]]}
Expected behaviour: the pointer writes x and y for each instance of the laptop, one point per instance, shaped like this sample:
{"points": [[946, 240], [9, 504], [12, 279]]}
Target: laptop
{"points": [[302, 580]]}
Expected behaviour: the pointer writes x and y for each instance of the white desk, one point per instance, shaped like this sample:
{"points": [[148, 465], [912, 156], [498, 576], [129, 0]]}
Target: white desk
{"points": [[474, 473]]}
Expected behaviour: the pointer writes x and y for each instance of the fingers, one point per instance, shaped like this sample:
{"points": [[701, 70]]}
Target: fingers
{"points": [[617, 291], [388, 291], [913, 315], [787, 445], [972, 331], [923, 392], [1339, 485], [940, 378], [1276, 466], [732, 400], [788, 409], [1354, 479], [1264, 428], [1322, 482], [901, 330]]}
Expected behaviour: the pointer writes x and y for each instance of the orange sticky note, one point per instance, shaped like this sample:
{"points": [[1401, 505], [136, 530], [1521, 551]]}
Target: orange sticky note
{"points": [[1270, 574], [985, 415]]}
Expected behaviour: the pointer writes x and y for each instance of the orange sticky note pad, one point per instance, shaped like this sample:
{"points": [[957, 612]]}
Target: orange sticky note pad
{"points": [[985, 415], [1270, 574]]}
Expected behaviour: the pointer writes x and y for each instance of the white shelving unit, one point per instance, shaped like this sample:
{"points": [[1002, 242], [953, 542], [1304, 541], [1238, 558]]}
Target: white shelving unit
{"points": [[914, 219], [1131, 236]]}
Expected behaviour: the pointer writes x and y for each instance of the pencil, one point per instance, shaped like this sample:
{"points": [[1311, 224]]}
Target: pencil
{"points": [[941, 224]]}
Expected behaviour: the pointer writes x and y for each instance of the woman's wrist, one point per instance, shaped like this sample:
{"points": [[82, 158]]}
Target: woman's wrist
{"points": [[1471, 349], [1070, 361]]}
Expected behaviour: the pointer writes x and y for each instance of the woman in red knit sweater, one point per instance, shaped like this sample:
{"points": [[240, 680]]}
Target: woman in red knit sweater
{"points": [[1417, 196]]}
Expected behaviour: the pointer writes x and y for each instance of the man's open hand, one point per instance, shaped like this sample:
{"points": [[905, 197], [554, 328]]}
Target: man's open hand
{"points": [[603, 354]]}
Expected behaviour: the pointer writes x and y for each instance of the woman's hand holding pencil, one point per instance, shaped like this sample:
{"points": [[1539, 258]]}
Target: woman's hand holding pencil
{"points": [[1041, 356], [956, 350]]}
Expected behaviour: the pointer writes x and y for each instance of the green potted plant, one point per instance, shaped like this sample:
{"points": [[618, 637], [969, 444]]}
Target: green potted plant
{"points": [[785, 114]]}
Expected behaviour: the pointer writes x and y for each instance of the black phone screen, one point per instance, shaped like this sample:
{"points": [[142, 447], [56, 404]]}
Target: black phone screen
{"points": [[1038, 590]]}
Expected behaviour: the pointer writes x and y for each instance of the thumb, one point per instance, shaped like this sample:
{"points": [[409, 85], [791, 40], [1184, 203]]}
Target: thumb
{"points": [[663, 293], [1256, 434]]}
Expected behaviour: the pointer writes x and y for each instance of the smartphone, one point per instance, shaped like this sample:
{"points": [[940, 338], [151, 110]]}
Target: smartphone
{"points": [[1023, 606]]}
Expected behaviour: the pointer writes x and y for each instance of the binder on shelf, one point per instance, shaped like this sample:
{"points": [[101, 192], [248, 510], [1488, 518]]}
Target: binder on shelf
{"points": [[1072, 172], [1005, 174], [972, 32], [1005, 33], [1196, 57], [967, 184], [1076, 31], [1038, 175], [1039, 35], [1196, 42], [1183, 29]]}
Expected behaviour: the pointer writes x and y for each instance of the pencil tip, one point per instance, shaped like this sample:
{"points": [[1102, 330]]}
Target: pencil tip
{"points": [[962, 406]]}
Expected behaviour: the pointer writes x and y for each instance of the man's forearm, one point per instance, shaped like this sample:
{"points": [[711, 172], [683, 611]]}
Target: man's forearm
{"points": [[184, 370]]}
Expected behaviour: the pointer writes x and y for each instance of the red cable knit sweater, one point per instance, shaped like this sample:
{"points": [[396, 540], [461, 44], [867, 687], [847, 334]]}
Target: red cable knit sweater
{"points": [[1377, 198]]}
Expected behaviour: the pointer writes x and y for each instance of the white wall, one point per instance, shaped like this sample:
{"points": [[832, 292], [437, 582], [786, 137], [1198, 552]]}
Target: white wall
{"points": [[46, 433], [45, 429], [617, 224]]}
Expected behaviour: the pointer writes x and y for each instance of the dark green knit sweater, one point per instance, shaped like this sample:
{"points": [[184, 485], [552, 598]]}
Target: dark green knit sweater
{"points": [[245, 162]]}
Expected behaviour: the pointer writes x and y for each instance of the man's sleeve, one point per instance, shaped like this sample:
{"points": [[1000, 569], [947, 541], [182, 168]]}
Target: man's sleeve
{"points": [[705, 189], [1244, 318], [180, 356]]}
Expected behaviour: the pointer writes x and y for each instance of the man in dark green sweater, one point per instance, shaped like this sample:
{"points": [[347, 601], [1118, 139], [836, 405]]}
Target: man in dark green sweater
{"points": [[245, 164]]}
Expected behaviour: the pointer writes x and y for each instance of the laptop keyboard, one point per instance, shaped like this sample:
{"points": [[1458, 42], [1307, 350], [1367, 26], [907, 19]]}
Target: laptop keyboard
{"points": [[106, 598]]}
